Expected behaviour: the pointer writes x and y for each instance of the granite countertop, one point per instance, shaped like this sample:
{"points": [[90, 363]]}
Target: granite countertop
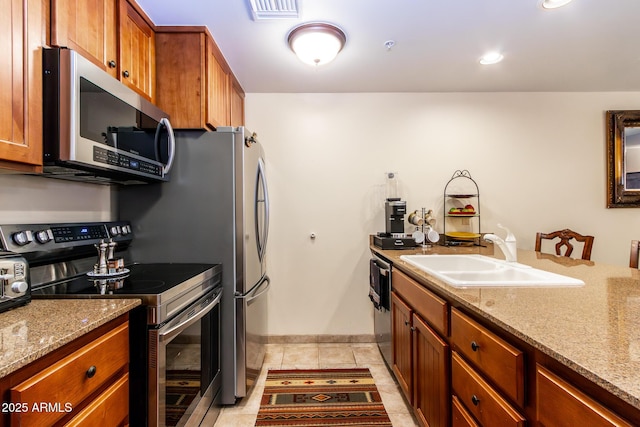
{"points": [[30, 332], [593, 329]]}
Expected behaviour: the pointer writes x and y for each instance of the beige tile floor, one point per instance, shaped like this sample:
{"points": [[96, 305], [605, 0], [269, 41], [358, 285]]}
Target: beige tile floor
{"points": [[318, 356]]}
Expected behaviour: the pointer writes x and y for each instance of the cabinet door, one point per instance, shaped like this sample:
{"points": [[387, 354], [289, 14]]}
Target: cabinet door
{"points": [[181, 73], [217, 87], [480, 399], [562, 405], [137, 51], [430, 375], [402, 344], [111, 408], [74, 378], [459, 415], [88, 27], [493, 356], [22, 33], [237, 102]]}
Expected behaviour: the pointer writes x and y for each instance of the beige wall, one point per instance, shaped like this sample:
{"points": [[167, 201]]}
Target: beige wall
{"points": [[538, 158], [33, 199]]}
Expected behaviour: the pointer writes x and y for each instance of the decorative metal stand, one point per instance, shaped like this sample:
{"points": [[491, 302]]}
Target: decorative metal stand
{"points": [[461, 201]]}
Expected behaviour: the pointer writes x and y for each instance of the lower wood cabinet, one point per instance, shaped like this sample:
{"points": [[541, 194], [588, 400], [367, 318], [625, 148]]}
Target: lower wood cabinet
{"points": [[402, 346], [458, 369], [430, 375], [84, 383], [420, 363], [559, 404], [459, 415], [498, 360], [481, 400]]}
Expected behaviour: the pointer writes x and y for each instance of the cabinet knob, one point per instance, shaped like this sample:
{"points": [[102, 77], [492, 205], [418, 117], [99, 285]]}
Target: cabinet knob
{"points": [[413, 328], [91, 371], [406, 323], [474, 346], [475, 400], [125, 73], [112, 64]]}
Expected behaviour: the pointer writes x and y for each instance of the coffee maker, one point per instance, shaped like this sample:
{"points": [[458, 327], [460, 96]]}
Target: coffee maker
{"points": [[394, 212], [394, 237]]}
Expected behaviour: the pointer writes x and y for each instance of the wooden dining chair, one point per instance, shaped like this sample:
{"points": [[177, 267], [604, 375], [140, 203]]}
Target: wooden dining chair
{"points": [[565, 237], [633, 254]]}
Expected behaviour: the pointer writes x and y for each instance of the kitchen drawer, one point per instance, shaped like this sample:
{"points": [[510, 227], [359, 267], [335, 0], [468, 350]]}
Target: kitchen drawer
{"points": [[111, 408], [559, 404], [428, 305], [459, 416], [73, 378], [498, 360], [480, 399]]}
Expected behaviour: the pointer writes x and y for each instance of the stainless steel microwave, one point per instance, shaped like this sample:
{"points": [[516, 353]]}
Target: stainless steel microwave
{"points": [[96, 129]]}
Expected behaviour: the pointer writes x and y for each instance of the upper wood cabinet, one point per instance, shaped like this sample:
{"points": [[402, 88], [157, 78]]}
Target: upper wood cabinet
{"points": [[218, 111], [137, 51], [90, 28], [195, 85], [236, 95], [114, 34], [23, 34]]}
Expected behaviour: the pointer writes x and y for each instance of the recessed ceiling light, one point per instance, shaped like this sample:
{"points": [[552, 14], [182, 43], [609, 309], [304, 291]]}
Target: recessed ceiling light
{"points": [[552, 4], [491, 58]]}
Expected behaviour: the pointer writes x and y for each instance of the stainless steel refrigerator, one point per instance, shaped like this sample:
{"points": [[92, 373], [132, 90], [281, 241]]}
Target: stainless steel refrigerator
{"points": [[214, 209]]}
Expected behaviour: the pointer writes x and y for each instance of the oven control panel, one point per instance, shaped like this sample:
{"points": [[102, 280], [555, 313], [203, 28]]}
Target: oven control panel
{"points": [[26, 238]]}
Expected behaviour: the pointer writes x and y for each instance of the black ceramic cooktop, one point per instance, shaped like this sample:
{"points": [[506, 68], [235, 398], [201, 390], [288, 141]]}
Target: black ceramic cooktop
{"points": [[142, 280]]}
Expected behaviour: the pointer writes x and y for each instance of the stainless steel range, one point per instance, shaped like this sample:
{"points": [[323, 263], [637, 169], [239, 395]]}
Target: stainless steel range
{"points": [[175, 334]]}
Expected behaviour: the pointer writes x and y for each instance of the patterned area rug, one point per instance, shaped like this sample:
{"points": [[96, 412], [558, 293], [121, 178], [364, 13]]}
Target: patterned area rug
{"points": [[182, 387], [325, 397]]}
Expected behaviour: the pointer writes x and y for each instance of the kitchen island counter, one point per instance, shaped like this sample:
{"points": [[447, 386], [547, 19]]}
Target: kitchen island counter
{"points": [[30, 332], [594, 329]]}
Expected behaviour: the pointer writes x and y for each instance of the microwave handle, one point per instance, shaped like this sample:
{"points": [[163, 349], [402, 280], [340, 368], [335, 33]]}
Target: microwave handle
{"points": [[172, 143]]}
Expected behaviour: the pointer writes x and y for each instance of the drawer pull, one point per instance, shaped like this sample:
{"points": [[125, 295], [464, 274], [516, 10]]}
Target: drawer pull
{"points": [[91, 372], [475, 400], [474, 346]]}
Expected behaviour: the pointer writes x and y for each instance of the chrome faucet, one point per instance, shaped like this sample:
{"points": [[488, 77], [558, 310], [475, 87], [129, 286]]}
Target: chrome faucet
{"points": [[507, 246]]}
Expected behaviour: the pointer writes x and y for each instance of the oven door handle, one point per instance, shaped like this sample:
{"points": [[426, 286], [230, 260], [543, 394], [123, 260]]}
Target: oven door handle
{"points": [[191, 318]]}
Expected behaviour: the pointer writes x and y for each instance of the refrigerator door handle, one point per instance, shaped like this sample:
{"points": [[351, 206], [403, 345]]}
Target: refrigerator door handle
{"points": [[264, 283], [262, 199]]}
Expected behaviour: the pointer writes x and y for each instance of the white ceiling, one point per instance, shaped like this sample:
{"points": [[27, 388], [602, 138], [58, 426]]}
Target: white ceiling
{"points": [[588, 45]]}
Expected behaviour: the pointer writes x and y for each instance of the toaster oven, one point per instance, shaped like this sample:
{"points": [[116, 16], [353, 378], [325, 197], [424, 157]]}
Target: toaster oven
{"points": [[15, 289]]}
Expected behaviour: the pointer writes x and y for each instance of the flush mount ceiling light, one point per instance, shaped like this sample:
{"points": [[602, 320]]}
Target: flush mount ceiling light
{"points": [[316, 43], [553, 4], [491, 58]]}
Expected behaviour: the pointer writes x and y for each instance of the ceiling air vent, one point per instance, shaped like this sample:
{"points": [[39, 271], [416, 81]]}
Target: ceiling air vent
{"points": [[274, 9]]}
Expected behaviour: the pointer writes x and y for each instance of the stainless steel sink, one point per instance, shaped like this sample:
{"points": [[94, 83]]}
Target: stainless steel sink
{"points": [[467, 271]]}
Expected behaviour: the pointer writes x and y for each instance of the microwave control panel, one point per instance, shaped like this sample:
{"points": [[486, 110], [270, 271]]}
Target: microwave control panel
{"points": [[102, 155]]}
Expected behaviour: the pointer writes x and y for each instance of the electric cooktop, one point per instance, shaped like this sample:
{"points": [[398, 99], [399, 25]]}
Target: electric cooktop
{"points": [[164, 288]]}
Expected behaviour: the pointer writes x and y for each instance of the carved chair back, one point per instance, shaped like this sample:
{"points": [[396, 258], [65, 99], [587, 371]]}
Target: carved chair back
{"points": [[566, 236]]}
